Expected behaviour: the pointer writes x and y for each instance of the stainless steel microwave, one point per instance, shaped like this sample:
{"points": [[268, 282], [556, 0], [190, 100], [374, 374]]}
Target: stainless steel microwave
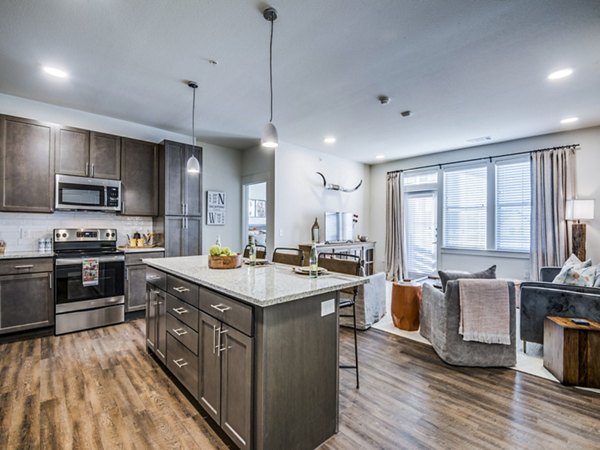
{"points": [[88, 194]]}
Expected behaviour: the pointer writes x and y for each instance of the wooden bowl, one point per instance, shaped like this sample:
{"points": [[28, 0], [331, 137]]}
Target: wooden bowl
{"points": [[224, 262]]}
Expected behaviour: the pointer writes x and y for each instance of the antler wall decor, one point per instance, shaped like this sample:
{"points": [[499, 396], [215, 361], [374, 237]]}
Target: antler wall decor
{"points": [[337, 187]]}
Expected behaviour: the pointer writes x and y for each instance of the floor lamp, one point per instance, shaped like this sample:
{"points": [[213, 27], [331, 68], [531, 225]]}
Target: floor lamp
{"points": [[577, 210]]}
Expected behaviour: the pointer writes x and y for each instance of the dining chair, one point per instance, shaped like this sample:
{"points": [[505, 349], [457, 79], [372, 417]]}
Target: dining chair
{"points": [[291, 256], [349, 265]]}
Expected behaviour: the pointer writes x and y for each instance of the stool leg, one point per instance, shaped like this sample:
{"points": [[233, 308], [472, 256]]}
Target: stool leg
{"points": [[524, 346], [355, 344]]}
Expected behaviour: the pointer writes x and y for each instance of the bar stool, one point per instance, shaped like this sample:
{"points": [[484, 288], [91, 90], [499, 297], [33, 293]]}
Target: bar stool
{"points": [[291, 256], [350, 265], [261, 251]]}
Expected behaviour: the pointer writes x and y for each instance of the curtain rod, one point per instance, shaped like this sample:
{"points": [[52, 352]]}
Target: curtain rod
{"points": [[560, 147]]}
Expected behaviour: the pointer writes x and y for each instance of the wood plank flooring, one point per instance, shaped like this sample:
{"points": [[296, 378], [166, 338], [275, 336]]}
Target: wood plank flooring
{"points": [[99, 389]]}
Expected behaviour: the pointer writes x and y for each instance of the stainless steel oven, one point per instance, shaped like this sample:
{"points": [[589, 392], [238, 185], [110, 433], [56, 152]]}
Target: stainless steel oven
{"points": [[89, 279], [90, 194]]}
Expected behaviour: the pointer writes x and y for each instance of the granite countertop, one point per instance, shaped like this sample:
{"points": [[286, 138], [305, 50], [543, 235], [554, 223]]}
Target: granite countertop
{"points": [[21, 254], [260, 285], [142, 249]]}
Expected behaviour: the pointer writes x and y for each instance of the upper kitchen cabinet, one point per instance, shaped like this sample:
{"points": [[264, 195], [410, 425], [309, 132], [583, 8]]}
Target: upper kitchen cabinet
{"points": [[26, 165], [139, 169], [88, 154], [181, 191]]}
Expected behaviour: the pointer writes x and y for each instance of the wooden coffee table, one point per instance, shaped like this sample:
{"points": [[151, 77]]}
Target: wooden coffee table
{"points": [[571, 352]]}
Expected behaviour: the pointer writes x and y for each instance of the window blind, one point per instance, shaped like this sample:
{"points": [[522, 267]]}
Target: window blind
{"points": [[420, 235], [465, 205], [513, 206]]}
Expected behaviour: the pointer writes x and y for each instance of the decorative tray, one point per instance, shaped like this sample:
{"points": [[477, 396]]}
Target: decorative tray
{"points": [[305, 270]]}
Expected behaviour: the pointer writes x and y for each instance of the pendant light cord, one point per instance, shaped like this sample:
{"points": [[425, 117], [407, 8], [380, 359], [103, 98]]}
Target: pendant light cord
{"points": [[271, 69], [194, 117]]}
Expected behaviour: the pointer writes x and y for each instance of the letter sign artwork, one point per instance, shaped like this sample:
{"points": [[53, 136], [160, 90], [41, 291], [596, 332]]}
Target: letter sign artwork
{"points": [[215, 208]]}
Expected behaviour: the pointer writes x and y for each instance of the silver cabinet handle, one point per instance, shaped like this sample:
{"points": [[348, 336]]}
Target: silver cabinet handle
{"points": [[180, 310], [50, 280], [221, 307], [92, 169], [152, 277], [180, 362], [127, 274], [225, 347], [24, 266], [179, 331], [87, 169], [183, 208], [181, 289], [215, 346]]}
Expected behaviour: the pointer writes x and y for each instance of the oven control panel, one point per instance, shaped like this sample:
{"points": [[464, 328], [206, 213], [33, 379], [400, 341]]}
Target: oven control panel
{"points": [[84, 234]]}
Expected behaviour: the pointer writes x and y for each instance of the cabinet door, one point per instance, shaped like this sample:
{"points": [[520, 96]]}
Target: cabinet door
{"points": [[26, 301], [73, 152], [151, 316], [105, 156], [236, 386], [209, 362], [135, 287], [26, 165], [174, 235], [161, 325], [174, 178], [139, 176], [193, 183], [192, 236]]}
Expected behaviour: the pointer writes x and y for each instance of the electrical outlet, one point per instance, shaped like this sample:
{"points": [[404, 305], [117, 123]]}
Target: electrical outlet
{"points": [[281, 232], [25, 233]]}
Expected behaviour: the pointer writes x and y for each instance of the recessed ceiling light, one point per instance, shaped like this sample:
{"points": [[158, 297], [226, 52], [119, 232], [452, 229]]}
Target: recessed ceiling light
{"points": [[479, 139], [569, 120], [380, 157], [562, 73], [58, 73], [329, 140]]}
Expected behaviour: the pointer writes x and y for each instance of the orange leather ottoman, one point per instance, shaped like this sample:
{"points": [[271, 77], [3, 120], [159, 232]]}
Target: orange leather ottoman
{"points": [[406, 302]]}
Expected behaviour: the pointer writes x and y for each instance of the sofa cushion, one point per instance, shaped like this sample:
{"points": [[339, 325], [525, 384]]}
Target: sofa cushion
{"points": [[581, 276], [451, 275], [572, 262]]}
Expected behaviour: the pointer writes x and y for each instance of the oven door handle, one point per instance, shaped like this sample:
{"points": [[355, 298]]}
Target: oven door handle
{"points": [[101, 259]]}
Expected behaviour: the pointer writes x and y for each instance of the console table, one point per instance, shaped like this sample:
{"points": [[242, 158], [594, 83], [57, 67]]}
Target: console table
{"points": [[365, 250]]}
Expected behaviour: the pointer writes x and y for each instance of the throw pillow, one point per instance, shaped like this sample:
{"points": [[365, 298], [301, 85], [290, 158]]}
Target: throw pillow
{"points": [[451, 275], [581, 276], [572, 262]]}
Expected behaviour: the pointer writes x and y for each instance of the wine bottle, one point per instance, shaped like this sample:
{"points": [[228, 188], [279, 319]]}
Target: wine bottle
{"points": [[315, 231], [252, 253], [313, 261]]}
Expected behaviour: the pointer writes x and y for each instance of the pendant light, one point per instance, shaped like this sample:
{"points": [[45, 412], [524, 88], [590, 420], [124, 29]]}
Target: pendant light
{"points": [[193, 165], [269, 136]]}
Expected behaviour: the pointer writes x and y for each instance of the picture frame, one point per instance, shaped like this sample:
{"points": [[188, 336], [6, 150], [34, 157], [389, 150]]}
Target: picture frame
{"points": [[260, 209], [251, 208], [216, 202]]}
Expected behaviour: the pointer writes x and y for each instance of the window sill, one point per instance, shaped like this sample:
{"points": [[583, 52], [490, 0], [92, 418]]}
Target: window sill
{"points": [[485, 253]]}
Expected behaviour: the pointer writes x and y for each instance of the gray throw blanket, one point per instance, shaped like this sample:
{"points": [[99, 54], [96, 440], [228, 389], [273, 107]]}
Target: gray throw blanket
{"points": [[484, 311]]}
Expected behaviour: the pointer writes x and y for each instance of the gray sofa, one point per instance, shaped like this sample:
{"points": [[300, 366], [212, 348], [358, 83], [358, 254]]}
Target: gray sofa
{"points": [[440, 315], [544, 298]]}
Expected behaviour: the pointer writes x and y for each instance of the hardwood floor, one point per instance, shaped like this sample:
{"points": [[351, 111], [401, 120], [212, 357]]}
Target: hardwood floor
{"points": [[99, 389]]}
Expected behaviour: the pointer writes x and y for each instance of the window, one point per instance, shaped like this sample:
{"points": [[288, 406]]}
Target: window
{"points": [[420, 233], [513, 205], [465, 208]]}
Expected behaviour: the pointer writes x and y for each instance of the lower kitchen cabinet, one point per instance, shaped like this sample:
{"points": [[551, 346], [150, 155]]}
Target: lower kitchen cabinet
{"points": [[225, 389], [26, 295], [135, 279]]}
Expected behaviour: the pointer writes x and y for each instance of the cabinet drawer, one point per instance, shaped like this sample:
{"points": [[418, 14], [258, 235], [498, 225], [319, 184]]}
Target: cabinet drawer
{"points": [[233, 313], [185, 290], [182, 311], [182, 333], [25, 265], [183, 364], [157, 278], [136, 257]]}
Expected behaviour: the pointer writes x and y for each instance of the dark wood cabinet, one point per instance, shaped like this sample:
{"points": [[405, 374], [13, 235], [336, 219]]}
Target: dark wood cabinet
{"points": [[26, 165], [182, 190], [209, 392], [139, 169], [88, 153], [182, 234], [26, 295], [135, 279], [156, 321]]}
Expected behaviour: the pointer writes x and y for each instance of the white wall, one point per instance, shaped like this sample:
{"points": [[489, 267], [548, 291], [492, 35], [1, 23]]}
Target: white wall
{"points": [[587, 185], [221, 171], [300, 196]]}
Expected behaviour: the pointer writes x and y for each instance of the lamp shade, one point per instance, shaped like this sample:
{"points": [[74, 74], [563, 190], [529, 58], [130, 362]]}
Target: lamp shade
{"points": [[579, 209], [193, 165], [269, 136]]}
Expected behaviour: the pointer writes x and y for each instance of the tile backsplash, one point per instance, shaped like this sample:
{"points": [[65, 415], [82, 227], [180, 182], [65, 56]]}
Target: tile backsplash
{"points": [[21, 231]]}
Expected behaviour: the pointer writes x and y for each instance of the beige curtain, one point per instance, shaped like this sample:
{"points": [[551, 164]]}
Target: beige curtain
{"points": [[394, 254], [552, 184]]}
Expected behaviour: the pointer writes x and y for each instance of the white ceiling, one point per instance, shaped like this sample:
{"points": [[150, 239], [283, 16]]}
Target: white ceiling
{"points": [[466, 68]]}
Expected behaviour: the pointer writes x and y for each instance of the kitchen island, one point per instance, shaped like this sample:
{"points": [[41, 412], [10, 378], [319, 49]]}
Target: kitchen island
{"points": [[257, 347]]}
